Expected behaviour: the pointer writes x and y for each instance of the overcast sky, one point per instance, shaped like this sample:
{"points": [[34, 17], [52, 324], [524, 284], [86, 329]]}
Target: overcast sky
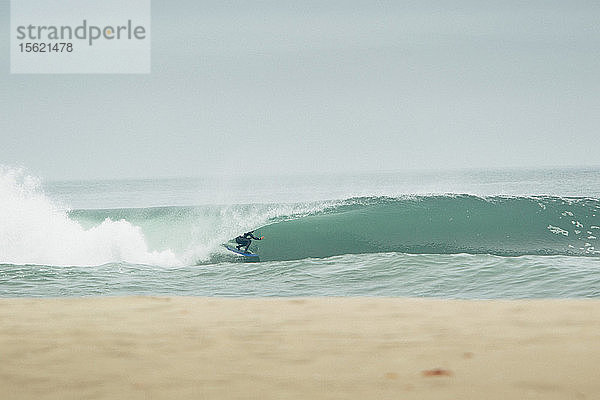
{"points": [[303, 87]]}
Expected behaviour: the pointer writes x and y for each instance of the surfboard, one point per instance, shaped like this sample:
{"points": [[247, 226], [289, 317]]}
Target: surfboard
{"points": [[240, 252]]}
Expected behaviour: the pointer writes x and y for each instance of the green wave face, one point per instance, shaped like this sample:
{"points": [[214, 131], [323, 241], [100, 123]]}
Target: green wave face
{"points": [[508, 226]]}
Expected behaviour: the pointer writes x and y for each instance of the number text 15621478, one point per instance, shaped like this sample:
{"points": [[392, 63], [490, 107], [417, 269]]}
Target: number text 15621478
{"points": [[46, 47]]}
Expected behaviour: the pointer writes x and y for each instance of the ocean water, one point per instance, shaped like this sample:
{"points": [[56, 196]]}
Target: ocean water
{"points": [[450, 234]]}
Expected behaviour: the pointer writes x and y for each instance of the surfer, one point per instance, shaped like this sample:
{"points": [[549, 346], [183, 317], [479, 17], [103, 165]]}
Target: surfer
{"points": [[245, 240]]}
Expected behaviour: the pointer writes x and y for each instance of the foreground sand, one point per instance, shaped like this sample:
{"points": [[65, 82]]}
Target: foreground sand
{"points": [[333, 348]]}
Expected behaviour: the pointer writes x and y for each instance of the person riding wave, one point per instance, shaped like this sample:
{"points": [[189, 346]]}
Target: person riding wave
{"points": [[245, 240]]}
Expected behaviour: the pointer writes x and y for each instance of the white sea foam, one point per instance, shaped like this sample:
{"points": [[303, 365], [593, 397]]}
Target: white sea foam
{"points": [[557, 231], [34, 230]]}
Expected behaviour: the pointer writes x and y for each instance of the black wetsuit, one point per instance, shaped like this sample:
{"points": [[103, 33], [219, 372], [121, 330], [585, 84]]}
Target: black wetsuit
{"points": [[245, 240]]}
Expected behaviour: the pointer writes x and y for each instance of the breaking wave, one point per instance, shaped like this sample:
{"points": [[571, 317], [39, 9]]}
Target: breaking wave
{"points": [[36, 230]]}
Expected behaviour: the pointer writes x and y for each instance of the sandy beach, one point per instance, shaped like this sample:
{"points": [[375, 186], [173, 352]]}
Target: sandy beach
{"points": [[305, 348]]}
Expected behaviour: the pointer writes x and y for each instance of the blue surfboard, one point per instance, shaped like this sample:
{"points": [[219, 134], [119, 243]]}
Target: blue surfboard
{"points": [[242, 253]]}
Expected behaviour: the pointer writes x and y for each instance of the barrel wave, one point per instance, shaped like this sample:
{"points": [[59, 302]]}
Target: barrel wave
{"points": [[442, 224], [35, 229]]}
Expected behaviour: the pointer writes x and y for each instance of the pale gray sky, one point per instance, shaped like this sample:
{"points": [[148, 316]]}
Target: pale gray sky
{"points": [[322, 86]]}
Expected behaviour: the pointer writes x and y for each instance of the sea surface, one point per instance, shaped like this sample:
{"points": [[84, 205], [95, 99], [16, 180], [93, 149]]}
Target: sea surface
{"points": [[472, 234]]}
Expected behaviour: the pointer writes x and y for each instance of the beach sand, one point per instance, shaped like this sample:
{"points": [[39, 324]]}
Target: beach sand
{"points": [[305, 348]]}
